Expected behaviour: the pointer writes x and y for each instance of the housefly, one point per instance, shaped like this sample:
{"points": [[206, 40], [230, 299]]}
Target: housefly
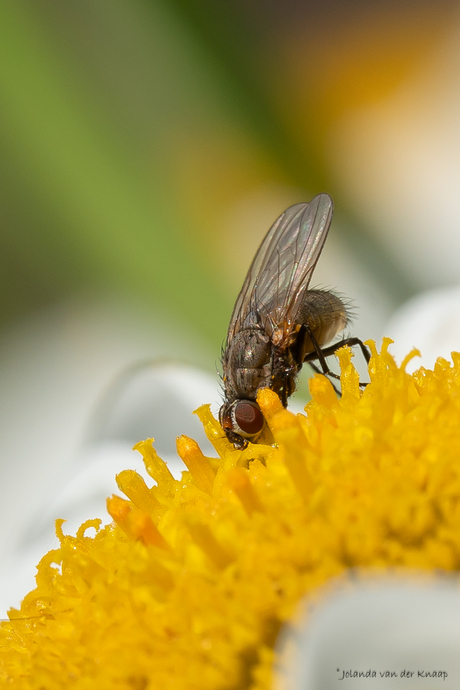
{"points": [[277, 322]]}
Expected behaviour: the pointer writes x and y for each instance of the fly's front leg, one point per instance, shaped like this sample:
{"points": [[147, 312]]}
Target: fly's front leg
{"points": [[288, 387], [284, 396]]}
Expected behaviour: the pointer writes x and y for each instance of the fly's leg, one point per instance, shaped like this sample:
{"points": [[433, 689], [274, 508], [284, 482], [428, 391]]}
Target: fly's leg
{"points": [[288, 387], [318, 354], [284, 395], [318, 371], [332, 349]]}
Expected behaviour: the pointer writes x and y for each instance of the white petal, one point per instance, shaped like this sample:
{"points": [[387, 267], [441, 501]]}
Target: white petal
{"points": [[399, 625], [429, 322]]}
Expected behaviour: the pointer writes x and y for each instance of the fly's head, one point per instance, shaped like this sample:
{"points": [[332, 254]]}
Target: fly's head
{"points": [[242, 421]]}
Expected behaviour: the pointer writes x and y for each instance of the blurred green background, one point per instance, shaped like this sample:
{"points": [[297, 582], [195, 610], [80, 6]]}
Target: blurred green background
{"points": [[146, 146], [133, 132]]}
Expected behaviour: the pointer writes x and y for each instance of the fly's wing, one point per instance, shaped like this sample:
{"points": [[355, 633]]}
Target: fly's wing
{"points": [[282, 268]]}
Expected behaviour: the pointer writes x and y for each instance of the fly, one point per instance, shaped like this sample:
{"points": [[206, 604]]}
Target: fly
{"points": [[277, 322]]}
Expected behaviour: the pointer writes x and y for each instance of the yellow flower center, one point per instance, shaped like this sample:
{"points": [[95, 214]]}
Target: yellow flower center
{"points": [[190, 584]]}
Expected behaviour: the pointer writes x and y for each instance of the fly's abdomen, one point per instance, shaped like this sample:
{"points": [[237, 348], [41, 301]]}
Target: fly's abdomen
{"points": [[325, 314]]}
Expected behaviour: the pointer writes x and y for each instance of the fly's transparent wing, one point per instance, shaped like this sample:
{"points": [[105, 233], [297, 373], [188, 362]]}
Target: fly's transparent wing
{"points": [[283, 266]]}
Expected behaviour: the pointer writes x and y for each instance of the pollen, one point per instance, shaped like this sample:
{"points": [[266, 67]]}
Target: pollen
{"points": [[189, 585]]}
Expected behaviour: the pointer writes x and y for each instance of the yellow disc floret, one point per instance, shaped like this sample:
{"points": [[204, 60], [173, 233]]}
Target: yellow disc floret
{"points": [[188, 587]]}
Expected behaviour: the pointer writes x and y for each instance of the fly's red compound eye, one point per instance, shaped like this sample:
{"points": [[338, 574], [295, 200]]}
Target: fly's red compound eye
{"points": [[247, 417]]}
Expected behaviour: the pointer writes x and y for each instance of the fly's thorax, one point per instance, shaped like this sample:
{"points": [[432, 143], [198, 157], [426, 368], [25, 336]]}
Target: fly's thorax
{"points": [[325, 314], [250, 348], [248, 363]]}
